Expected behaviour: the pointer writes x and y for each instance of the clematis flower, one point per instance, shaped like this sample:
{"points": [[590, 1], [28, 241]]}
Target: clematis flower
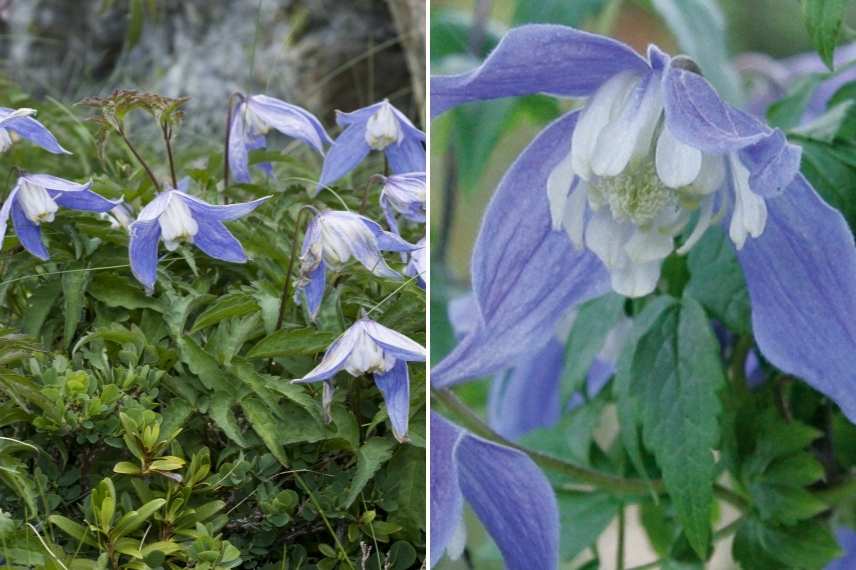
{"points": [[847, 540], [405, 194], [19, 124], [368, 347], [379, 127], [36, 198], [417, 265], [508, 492], [528, 394], [253, 119], [174, 216], [653, 154], [332, 239]]}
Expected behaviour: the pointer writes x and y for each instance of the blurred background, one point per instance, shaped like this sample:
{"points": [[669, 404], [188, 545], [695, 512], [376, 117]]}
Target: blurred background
{"points": [[472, 147]]}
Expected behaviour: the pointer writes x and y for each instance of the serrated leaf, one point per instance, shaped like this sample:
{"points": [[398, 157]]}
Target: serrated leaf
{"points": [[74, 284], [226, 307], [678, 363], [823, 19], [39, 306], [584, 516], [810, 545], [115, 291], [266, 427], [205, 367], [371, 455], [295, 342], [221, 412]]}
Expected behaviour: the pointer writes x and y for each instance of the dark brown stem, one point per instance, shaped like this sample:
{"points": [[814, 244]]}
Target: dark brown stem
{"points": [[167, 139], [286, 287], [140, 159], [229, 112], [376, 179]]}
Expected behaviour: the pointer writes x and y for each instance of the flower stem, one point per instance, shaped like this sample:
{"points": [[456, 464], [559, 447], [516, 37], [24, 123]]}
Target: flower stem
{"points": [[321, 512], [229, 111], [139, 158], [167, 139], [286, 287], [608, 482]]}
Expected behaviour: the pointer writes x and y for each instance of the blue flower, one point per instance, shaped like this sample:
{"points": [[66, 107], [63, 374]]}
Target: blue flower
{"points": [[175, 216], [508, 492], [417, 265], [35, 200], [19, 123], [653, 153], [253, 119], [404, 194], [379, 127], [847, 540], [332, 239], [368, 347]]}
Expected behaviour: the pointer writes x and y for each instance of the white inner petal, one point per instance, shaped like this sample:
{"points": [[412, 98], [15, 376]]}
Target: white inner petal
{"points": [[711, 176], [575, 214], [599, 110], [256, 125], [37, 204], [636, 279], [750, 210], [367, 357], [5, 140], [649, 245], [704, 220], [177, 223], [606, 238], [678, 164], [558, 187], [382, 128], [337, 234]]}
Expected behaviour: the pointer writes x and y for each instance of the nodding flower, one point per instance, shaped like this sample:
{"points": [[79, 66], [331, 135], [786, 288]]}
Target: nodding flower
{"points": [[16, 124], [404, 194]]}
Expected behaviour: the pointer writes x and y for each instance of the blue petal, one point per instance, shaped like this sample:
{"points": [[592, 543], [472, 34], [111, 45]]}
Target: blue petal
{"points": [[56, 183], [314, 290], [220, 212], [35, 132], [847, 541], [29, 234], [525, 275], [801, 275], [395, 386], [596, 380], [348, 150], [291, 120], [406, 156], [5, 212], [335, 357], [393, 342], [84, 199], [513, 500], [539, 58], [239, 142], [216, 241], [528, 397], [143, 251], [445, 495], [773, 163], [387, 241]]}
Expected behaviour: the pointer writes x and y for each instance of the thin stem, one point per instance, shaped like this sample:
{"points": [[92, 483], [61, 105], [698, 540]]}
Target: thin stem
{"points": [[321, 512], [140, 159], [447, 219], [167, 139], [286, 287], [619, 554], [376, 179], [585, 475], [229, 111]]}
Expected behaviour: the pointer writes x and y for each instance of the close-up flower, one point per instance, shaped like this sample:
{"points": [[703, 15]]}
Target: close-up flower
{"points": [[404, 195], [16, 124]]}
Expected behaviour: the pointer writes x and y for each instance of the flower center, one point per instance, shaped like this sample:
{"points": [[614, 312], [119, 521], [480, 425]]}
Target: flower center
{"points": [[368, 357], [37, 204], [637, 194], [256, 125], [382, 128], [177, 223]]}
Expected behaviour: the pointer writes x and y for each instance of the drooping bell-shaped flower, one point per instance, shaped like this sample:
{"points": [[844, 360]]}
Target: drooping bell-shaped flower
{"points": [[35, 200], [404, 194], [332, 239], [604, 194], [417, 264], [174, 216], [255, 116], [508, 492], [368, 347], [19, 124], [379, 127]]}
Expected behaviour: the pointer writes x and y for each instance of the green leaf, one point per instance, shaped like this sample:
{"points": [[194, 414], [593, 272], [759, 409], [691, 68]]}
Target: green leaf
{"points": [[810, 545], [556, 11], [74, 284], [73, 529], [221, 412], [831, 169], [116, 291], [226, 307], [39, 306], [787, 112], [373, 453], [700, 28], [823, 19], [450, 34], [205, 367], [584, 516], [131, 521], [296, 342], [717, 282], [678, 363], [266, 426]]}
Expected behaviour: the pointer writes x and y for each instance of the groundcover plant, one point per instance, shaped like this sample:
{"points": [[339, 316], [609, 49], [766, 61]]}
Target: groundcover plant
{"points": [[663, 294], [165, 313]]}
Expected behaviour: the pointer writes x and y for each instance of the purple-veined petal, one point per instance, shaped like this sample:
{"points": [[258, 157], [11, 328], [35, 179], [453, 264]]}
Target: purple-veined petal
{"points": [[513, 500], [406, 156], [772, 162], [387, 241], [239, 142], [314, 290], [290, 120], [222, 213], [525, 275], [335, 357], [348, 150], [395, 386], [83, 199], [696, 115], [847, 541], [5, 212], [446, 499], [597, 378], [29, 234], [35, 132], [216, 241], [538, 58], [393, 342], [360, 116], [55, 183], [528, 397], [143, 251], [801, 275]]}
